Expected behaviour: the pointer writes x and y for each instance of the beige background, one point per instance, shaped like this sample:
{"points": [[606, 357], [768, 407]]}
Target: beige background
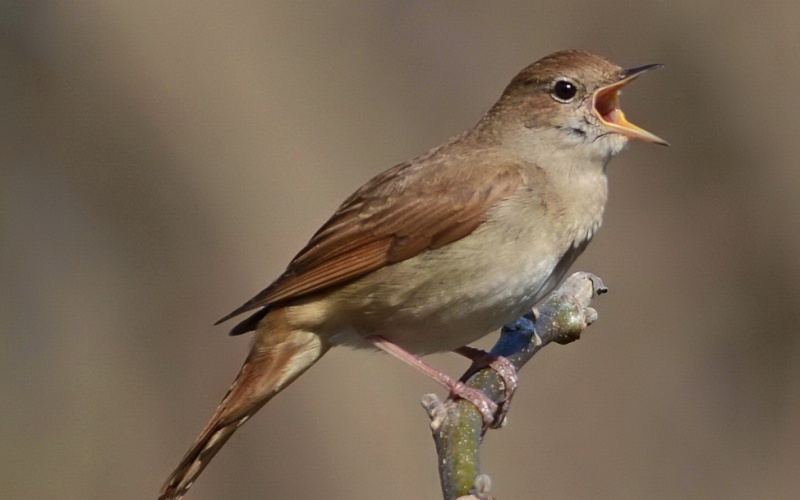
{"points": [[162, 161]]}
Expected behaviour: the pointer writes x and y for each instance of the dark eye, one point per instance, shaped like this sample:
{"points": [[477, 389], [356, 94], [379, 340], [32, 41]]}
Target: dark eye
{"points": [[564, 90]]}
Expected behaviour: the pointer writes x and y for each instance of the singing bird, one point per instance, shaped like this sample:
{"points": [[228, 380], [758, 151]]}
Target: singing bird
{"points": [[443, 249]]}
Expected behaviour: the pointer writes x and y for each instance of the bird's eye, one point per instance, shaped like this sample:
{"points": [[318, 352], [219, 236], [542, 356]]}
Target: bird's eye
{"points": [[564, 90]]}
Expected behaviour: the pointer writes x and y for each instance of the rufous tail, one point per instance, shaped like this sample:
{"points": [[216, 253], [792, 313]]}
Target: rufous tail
{"points": [[279, 355]]}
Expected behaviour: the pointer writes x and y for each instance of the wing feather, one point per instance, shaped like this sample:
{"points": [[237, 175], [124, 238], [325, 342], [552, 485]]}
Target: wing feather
{"points": [[393, 218]]}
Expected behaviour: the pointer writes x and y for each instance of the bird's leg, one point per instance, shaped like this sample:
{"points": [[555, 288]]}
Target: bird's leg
{"points": [[505, 370], [482, 402]]}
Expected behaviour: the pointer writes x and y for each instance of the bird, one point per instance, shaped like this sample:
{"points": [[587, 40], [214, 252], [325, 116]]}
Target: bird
{"points": [[443, 249]]}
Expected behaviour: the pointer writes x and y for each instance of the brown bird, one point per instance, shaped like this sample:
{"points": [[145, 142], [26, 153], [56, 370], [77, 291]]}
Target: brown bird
{"points": [[440, 250]]}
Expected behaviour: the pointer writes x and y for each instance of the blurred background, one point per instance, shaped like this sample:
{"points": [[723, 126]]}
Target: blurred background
{"points": [[160, 162]]}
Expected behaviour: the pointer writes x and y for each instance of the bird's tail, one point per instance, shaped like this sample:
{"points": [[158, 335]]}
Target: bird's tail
{"points": [[279, 355]]}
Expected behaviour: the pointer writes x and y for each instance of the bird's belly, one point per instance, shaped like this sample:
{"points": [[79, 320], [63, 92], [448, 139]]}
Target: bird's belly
{"points": [[445, 299]]}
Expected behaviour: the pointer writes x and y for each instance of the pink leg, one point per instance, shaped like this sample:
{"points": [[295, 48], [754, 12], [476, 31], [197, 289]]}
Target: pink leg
{"points": [[504, 369], [486, 406]]}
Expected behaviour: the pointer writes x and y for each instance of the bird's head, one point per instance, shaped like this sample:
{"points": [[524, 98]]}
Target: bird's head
{"points": [[570, 99]]}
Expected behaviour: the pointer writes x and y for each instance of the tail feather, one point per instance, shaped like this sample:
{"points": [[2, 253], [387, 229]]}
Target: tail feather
{"points": [[279, 355]]}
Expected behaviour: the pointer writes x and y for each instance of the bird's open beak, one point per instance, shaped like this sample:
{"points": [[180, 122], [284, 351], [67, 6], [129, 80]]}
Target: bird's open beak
{"points": [[605, 104]]}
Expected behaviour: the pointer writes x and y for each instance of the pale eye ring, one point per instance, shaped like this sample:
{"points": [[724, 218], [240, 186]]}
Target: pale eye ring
{"points": [[564, 90]]}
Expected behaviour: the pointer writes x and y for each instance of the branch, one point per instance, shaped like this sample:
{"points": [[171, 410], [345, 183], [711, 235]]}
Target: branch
{"points": [[457, 426]]}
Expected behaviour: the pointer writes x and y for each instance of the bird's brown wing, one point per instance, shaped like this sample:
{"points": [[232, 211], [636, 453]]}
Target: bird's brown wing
{"points": [[406, 210]]}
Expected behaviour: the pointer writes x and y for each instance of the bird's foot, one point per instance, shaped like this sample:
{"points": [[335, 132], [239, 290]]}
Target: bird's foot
{"points": [[505, 370], [488, 409], [493, 416]]}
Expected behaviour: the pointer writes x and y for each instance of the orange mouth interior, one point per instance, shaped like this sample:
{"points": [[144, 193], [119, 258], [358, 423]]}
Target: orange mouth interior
{"points": [[605, 104]]}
